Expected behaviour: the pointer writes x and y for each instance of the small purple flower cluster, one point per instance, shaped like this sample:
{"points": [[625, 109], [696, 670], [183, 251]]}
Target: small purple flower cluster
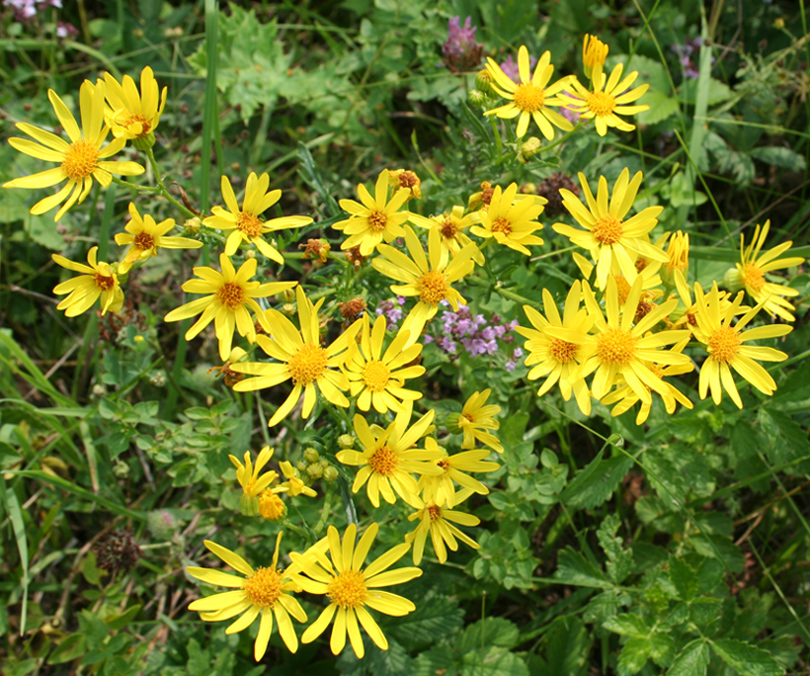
{"points": [[25, 10], [685, 52], [461, 52], [392, 311], [475, 334]]}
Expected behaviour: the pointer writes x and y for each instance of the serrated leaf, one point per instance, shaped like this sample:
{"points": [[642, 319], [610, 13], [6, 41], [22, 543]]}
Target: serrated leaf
{"points": [[779, 157], [693, 660], [620, 561], [568, 645], [634, 656], [435, 616], [746, 659], [573, 568], [683, 577], [489, 631], [493, 662], [595, 483], [628, 624]]}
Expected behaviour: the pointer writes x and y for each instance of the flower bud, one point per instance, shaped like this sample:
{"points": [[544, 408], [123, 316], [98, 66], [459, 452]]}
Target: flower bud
{"points": [[144, 142], [733, 280], [330, 474], [483, 81], [452, 423], [345, 441], [477, 98], [311, 456], [162, 524], [315, 470], [192, 226]]}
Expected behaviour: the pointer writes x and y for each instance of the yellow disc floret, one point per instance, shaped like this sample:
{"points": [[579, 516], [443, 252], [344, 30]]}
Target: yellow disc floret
{"points": [[432, 287], [348, 589], [616, 347], [249, 224], [307, 365], [529, 98], [724, 344], [384, 461], [600, 103], [231, 294], [607, 230], [376, 376], [263, 588], [81, 160]]}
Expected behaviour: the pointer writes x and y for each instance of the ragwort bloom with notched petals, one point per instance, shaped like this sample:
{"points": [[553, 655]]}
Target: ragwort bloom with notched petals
{"points": [[246, 223], [80, 161], [145, 237], [261, 592], [97, 280], [438, 522], [531, 98], [476, 418], [134, 116], [301, 358], [510, 221], [230, 294], [352, 589]]}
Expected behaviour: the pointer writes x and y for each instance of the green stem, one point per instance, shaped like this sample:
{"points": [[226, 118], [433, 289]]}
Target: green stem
{"points": [[163, 189]]}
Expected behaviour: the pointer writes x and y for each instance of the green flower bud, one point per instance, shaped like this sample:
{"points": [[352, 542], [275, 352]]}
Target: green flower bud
{"points": [[452, 423], [345, 441], [330, 474], [144, 142], [477, 98], [249, 505], [315, 470], [162, 524], [192, 226], [733, 280], [311, 456], [483, 81]]}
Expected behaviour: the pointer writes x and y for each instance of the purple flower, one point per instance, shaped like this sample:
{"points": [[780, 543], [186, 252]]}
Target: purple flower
{"points": [[511, 70], [510, 366], [517, 354], [461, 52]]}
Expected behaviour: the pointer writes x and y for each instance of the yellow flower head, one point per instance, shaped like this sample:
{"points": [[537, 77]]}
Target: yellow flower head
{"points": [[96, 281], [294, 485], [608, 100], [530, 98], [611, 239], [677, 255], [130, 115], [230, 294], [622, 345], [451, 227], [373, 219], [509, 221], [554, 358], [262, 592], [726, 348], [352, 588], [405, 178], [424, 276], [389, 460], [80, 161], [246, 223], [594, 52], [377, 378], [300, 358], [751, 271], [476, 418], [438, 522], [145, 237], [252, 484], [440, 489]]}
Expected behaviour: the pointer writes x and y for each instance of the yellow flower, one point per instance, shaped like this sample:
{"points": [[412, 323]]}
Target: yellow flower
{"points": [[252, 484], [622, 348], [440, 489], [388, 460], [301, 358], [230, 295], [378, 377], [133, 116], [607, 236], [376, 219], [451, 227], [246, 223], [261, 592], [271, 506], [725, 345], [608, 100], [476, 418], [751, 274], [145, 237], [594, 52], [294, 485], [80, 161], [424, 276], [405, 178], [688, 320], [97, 280], [532, 96], [670, 395], [511, 222], [352, 589], [554, 358], [437, 522], [677, 255]]}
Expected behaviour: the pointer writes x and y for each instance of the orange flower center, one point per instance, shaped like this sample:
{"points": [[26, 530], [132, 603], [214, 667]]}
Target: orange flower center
{"points": [[449, 229], [752, 276], [104, 282], [563, 351], [307, 364], [81, 160], [249, 224], [144, 241], [377, 221], [529, 98], [502, 224], [231, 295], [263, 588], [384, 461], [644, 307], [433, 287], [348, 589], [434, 512], [137, 124], [600, 103], [607, 230], [616, 347], [724, 344], [376, 375]]}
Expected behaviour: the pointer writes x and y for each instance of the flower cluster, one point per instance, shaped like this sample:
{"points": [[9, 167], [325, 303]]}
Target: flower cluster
{"points": [[476, 334], [461, 52]]}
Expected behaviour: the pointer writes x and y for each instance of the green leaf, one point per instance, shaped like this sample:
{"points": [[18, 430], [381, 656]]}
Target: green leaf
{"points": [[628, 624], [573, 568], [568, 645], [779, 157], [746, 659], [71, 647], [620, 561], [489, 631], [493, 662], [435, 615], [120, 620], [596, 483], [661, 107], [693, 660], [683, 578], [634, 656], [11, 507]]}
